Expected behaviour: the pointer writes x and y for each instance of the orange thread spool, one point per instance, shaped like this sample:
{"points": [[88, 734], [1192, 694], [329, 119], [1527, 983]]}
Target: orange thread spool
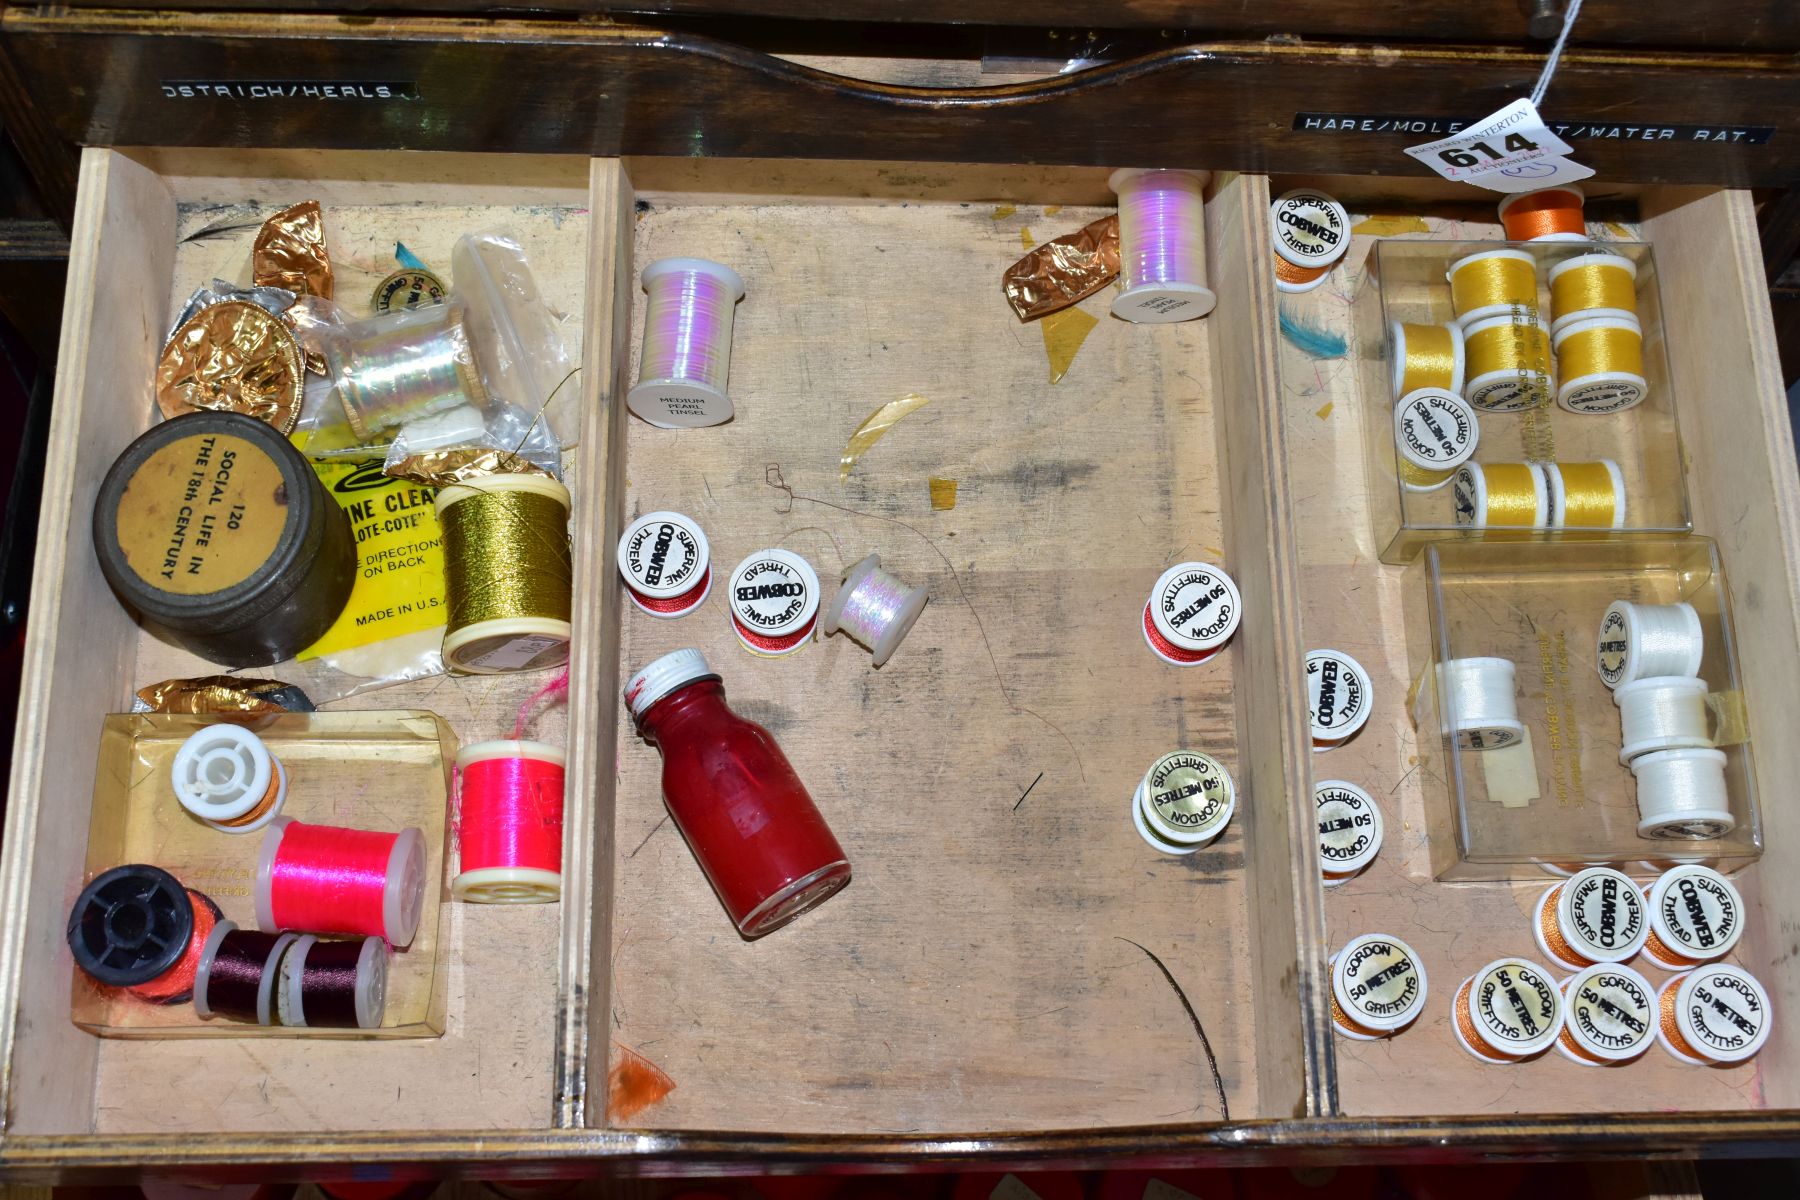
{"points": [[1298, 279], [1550, 215], [1465, 1024]]}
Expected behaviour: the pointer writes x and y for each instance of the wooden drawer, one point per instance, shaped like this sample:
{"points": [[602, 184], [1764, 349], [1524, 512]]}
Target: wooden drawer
{"points": [[977, 991]]}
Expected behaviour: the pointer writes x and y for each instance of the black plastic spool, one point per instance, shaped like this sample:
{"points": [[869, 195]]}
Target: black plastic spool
{"points": [[130, 925]]}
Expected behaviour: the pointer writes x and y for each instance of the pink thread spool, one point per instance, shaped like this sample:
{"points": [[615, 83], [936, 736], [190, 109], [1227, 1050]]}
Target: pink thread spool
{"points": [[1162, 245], [687, 344], [327, 879], [509, 823]]}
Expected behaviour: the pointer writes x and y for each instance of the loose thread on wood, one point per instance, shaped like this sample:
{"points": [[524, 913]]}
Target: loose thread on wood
{"points": [[648, 836], [1027, 791], [1205, 1043]]}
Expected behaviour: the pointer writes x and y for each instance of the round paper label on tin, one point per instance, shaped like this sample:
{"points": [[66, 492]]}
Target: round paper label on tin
{"points": [[1601, 914], [662, 554], [1189, 793], [1613, 648], [408, 288], [202, 514], [1516, 1006], [1337, 694], [1610, 1011], [1310, 228], [1435, 429], [1696, 912], [1349, 825], [774, 592], [1378, 981], [1196, 606], [1723, 1012]]}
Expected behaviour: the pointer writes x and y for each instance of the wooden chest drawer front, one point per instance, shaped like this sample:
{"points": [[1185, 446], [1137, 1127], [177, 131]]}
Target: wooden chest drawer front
{"points": [[559, 86]]}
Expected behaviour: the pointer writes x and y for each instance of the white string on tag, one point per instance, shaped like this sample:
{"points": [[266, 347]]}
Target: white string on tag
{"points": [[1551, 63]]}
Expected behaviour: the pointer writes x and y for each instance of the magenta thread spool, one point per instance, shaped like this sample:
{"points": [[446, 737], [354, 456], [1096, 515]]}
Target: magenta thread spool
{"points": [[1162, 245], [687, 344]]}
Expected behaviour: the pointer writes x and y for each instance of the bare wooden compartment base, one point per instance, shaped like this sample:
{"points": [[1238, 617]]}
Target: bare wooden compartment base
{"points": [[976, 992]]}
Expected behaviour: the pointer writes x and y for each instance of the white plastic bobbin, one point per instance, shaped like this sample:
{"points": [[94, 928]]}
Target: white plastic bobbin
{"points": [[666, 562], [880, 608], [1192, 612], [265, 992], [1149, 835], [1479, 702], [225, 776], [1162, 279], [1350, 829], [1609, 1016], [1662, 713], [1638, 641], [1435, 431], [1509, 1010], [1596, 916], [1681, 795], [1309, 228], [1378, 987], [1397, 355], [1696, 916], [1556, 488], [773, 602], [1185, 799], [1339, 697], [403, 895], [371, 983], [1713, 1016]]}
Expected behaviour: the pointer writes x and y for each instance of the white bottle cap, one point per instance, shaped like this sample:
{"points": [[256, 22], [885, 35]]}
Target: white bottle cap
{"points": [[1397, 355], [663, 555], [1196, 606], [1310, 228], [1379, 983], [1600, 391], [1695, 912], [1339, 695], [676, 669], [1600, 916], [1609, 1015], [1721, 1011], [1350, 829], [222, 773], [1435, 430], [1188, 797], [1515, 1007]]}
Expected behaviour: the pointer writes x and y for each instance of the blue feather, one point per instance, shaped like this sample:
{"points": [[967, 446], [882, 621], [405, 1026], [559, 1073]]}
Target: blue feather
{"points": [[1313, 340]]}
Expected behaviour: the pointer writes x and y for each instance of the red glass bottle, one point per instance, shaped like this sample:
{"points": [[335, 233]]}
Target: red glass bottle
{"points": [[744, 812]]}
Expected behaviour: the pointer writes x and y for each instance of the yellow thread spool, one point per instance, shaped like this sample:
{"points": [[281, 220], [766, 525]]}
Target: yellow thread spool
{"points": [[508, 574], [1493, 283], [1425, 356], [1601, 365], [1589, 495], [1508, 364], [1501, 496], [1592, 285]]}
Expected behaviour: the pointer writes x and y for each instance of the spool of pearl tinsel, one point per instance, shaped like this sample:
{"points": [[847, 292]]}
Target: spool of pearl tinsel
{"points": [[687, 343], [1639, 641], [874, 608], [1162, 246], [1479, 703], [1661, 713], [1681, 795]]}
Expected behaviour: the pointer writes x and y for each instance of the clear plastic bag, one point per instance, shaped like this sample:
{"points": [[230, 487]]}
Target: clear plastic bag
{"points": [[519, 344]]}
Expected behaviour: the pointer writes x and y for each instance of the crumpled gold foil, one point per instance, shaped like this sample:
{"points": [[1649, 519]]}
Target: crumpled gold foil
{"points": [[290, 252], [233, 356], [222, 695], [1064, 270], [440, 468]]}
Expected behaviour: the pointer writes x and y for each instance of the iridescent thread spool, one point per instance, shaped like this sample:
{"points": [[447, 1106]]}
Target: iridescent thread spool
{"points": [[666, 562], [686, 357], [404, 365], [508, 574], [1597, 915], [1713, 1016], [1509, 364], [874, 608], [1507, 1012], [1426, 356], [1435, 432], [1592, 285], [1588, 495], [1600, 365], [1638, 641], [1661, 712], [1681, 795], [1192, 613], [1609, 1016], [1162, 245], [1478, 701], [333, 985], [1493, 283], [226, 777], [509, 823], [1339, 697], [1183, 802], [773, 602], [1696, 917], [1378, 987], [136, 928], [1546, 215], [335, 880], [238, 971], [1350, 830], [1501, 496]]}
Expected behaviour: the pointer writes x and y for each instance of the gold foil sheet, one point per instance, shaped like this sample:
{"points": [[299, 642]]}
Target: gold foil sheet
{"points": [[233, 356], [440, 468], [290, 252], [222, 694], [1064, 270]]}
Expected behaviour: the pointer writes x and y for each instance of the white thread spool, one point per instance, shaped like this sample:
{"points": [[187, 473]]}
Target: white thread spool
{"points": [[1681, 795], [874, 608], [686, 358], [1162, 245], [1638, 641], [1479, 702], [1663, 712], [225, 776]]}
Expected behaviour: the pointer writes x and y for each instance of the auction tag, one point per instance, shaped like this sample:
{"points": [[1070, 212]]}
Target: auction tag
{"points": [[1509, 151]]}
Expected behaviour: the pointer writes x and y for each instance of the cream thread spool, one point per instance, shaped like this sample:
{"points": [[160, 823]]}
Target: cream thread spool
{"points": [[874, 608], [1478, 702], [1508, 363], [1339, 697], [685, 362], [226, 777], [1162, 245], [1592, 285], [1597, 915], [1506, 1012], [1493, 283], [1183, 802], [1584, 495], [1192, 613], [1662, 712], [1350, 830], [666, 563], [1501, 496], [1681, 795], [1640, 641], [1696, 917], [1600, 365], [1609, 1016], [1435, 432], [1378, 987], [1713, 1016], [1426, 356]]}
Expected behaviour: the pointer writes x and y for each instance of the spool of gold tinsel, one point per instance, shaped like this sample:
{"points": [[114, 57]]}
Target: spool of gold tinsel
{"points": [[508, 574]]}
